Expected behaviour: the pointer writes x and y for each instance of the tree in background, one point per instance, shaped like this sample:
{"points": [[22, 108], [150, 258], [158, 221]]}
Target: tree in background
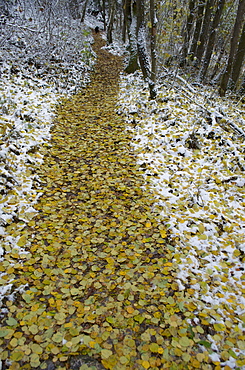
{"points": [[233, 47], [206, 21], [153, 33], [187, 34], [112, 8], [142, 48], [203, 40], [134, 15], [131, 27], [211, 39], [238, 61], [197, 30]]}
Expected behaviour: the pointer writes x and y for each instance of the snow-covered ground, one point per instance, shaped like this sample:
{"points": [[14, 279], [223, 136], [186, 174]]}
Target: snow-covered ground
{"points": [[27, 106], [25, 121], [193, 161]]}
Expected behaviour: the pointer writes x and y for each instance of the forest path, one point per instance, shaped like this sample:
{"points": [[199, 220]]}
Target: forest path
{"points": [[98, 272]]}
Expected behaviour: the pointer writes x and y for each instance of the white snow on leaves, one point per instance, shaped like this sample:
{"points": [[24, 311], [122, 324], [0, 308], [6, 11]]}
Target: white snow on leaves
{"points": [[195, 167]]}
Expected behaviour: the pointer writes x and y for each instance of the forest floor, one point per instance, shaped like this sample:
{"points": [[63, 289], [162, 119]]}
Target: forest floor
{"points": [[101, 279]]}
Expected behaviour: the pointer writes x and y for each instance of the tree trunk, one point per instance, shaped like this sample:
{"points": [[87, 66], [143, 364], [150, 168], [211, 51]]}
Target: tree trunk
{"points": [[238, 59], [197, 30], [111, 21], [211, 39], [124, 28], [131, 29], [104, 14], [84, 10], [141, 47], [233, 47], [74, 9], [189, 25], [153, 40], [205, 31]]}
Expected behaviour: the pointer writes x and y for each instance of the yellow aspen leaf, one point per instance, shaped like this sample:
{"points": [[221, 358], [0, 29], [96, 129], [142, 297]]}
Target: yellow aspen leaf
{"points": [[16, 356], [154, 347], [105, 353], [219, 327], [163, 233], [185, 342], [68, 325], [145, 364], [14, 342], [196, 364], [130, 309], [22, 241], [123, 360], [55, 350]]}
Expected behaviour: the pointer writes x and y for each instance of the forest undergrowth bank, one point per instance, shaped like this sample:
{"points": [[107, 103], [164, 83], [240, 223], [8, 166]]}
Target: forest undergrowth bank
{"points": [[100, 278]]}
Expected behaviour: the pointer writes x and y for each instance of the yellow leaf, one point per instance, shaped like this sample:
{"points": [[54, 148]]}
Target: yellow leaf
{"points": [[130, 309], [22, 241], [145, 364], [105, 353], [163, 233], [219, 327]]}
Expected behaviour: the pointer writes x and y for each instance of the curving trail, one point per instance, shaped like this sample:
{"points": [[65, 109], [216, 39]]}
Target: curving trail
{"points": [[101, 288]]}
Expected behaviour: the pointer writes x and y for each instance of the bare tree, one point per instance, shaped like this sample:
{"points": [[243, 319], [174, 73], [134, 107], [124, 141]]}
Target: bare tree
{"points": [[153, 30], [84, 10], [212, 37], [233, 47], [131, 22], [141, 47], [198, 25], [189, 26], [205, 31], [112, 9], [239, 57], [74, 9]]}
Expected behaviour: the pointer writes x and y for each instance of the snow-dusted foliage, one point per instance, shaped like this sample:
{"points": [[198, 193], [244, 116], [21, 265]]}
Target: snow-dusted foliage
{"points": [[44, 53], [190, 147], [44, 41]]}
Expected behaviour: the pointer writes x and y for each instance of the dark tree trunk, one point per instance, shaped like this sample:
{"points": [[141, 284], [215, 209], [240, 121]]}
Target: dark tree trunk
{"points": [[238, 62], [233, 47], [84, 10], [74, 9], [211, 40], [104, 14], [141, 46], [205, 31], [124, 28], [153, 40], [197, 30], [189, 25], [130, 12], [110, 22]]}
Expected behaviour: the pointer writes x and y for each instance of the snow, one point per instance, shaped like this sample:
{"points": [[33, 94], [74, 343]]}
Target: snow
{"points": [[195, 169], [27, 111], [27, 105]]}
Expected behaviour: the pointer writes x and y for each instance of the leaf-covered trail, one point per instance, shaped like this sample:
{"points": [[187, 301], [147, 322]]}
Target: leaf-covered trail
{"points": [[99, 273]]}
